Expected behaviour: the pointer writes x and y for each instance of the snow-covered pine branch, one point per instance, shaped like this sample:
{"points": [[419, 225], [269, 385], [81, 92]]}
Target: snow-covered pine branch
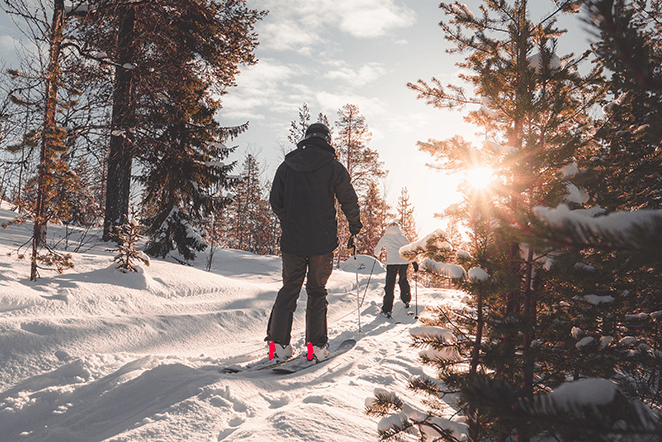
{"points": [[452, 271], [434, 245], [438, 344], [639, 231], [383, 403], [399, 417]]}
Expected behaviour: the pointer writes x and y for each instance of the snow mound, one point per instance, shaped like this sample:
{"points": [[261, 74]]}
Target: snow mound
{"points": [[365, 264]]}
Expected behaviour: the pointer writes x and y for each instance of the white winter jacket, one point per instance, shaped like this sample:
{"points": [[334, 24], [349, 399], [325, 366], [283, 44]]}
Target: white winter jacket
{"points": [[393, 239]]}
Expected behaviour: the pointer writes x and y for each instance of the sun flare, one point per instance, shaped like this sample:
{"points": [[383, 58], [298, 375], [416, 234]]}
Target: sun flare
{"points": [[479, 177]]}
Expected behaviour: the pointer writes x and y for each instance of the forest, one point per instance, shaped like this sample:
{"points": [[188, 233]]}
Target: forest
{"points": [[112, 124], [101, 130]]}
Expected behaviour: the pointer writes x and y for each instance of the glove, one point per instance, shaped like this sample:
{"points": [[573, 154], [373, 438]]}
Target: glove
{"points": [[415, 264], [351, 246]]}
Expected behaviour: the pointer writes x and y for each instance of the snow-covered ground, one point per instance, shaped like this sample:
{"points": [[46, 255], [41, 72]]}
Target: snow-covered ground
{"points": [[98, 355]]}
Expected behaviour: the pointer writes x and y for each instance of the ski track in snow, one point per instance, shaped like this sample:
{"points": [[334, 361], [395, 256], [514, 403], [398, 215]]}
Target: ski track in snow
{"points": [[97, 355]]}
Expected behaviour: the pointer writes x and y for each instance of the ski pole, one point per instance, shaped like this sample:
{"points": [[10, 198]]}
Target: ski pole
{"points": [[415, 265], [365, 292], [352, 246]]}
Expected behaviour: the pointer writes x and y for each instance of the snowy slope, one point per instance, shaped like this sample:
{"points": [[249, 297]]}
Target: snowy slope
{"points": [[98, 355]]}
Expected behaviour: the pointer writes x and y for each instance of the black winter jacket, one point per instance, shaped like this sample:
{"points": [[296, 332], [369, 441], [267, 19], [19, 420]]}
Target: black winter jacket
{"points": [[302, 196]]}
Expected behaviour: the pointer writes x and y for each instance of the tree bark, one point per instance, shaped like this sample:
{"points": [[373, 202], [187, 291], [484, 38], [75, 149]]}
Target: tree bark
{"points": [[120, 156], [48, 134]]}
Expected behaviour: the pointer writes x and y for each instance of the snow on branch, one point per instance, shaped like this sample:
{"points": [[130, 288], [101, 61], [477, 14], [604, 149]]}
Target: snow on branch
{"points": [[440, 343], [401, 418], [433, 243], [452, 271], [637, 231], [477, 274]]}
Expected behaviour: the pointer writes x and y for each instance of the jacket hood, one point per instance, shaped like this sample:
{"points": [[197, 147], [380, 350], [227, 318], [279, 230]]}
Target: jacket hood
{"points": [[394, 230], [310, 155]]}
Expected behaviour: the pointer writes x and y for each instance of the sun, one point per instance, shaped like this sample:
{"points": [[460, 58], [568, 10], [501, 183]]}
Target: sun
{"points": [[479, 177]]}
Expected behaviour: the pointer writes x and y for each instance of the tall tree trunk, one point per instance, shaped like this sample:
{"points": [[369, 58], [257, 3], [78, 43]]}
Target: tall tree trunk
{"points": [[120, 156], [49, 135], [480, 321], [530, 311]]}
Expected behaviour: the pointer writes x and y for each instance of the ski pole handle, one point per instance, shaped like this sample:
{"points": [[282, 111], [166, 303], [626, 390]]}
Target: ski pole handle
{"points": [[351, 245]]}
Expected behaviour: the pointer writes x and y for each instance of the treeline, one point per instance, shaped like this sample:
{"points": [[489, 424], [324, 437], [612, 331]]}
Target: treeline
{"points": [[111, 117]]}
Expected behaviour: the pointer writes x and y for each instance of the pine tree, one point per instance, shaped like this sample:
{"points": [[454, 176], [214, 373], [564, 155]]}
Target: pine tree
{"points": [[322, 118], [181, 142], [613, 274], [270, 230], [127, 255], [406, 215], [352, 140], [185, 173], [298, 128], [52, 170], [146, 43], [361, 162], [375, 216], [611, 277], [123, 122], [251, 218], [534, 111], [82, 97], [83, 199], [60, 91], [622, 172]]}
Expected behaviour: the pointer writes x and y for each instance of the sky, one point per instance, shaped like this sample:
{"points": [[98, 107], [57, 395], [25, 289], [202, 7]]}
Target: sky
{"points": [[97, 355], [328, 54], [331, 53], [362, 52]]}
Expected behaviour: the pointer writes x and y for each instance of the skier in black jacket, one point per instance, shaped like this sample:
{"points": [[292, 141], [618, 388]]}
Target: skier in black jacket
{"points": [[303, 197]]}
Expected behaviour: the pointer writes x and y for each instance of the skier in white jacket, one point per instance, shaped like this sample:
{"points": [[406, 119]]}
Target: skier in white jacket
{"points": [[392, 241]]}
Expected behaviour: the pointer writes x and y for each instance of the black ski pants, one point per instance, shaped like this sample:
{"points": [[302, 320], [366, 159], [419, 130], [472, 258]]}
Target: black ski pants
{"points": [[317, 269], [393, 270]]}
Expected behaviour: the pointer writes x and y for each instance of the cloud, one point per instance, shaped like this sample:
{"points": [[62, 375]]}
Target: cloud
{"points": [[259, 88], [372, 18], [8, 43], [286, 34], [298, 24], [357, 77]]}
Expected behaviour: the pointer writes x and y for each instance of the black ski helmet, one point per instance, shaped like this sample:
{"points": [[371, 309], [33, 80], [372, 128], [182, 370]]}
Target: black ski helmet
{"points": [[318, 130]]}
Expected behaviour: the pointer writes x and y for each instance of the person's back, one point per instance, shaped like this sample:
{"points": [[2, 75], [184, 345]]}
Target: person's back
{"points": [[396, 266], [394, 238], [303, 197]]}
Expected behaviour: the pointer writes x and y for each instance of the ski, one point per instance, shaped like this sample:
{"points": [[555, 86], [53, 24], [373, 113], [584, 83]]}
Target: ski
{"points": [[298, 364], [259, 365]]}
